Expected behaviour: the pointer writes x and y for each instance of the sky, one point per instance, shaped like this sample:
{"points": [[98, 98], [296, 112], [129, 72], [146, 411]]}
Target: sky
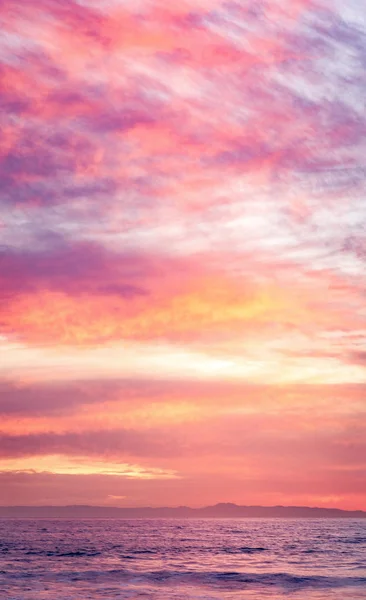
{"points": [[183, 252]]}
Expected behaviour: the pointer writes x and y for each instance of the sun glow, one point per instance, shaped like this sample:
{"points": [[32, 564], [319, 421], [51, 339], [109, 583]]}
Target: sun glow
{"points": [[61, 465]]}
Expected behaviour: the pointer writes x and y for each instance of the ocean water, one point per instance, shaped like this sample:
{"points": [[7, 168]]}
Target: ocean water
{"points": [[193, 559]]}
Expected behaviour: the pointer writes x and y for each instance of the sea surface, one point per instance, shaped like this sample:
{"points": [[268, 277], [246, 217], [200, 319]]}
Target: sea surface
{"points": [[161, 559]]}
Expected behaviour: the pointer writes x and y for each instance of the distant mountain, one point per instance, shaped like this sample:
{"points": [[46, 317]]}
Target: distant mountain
{"points": [[221, 510]]}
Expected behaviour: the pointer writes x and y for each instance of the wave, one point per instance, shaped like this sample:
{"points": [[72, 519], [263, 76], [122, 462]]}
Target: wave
{"points": [[56, 553], [244, 550], [137, 552], [284, 580], [143, 552], [356, 540], [228, 579]]}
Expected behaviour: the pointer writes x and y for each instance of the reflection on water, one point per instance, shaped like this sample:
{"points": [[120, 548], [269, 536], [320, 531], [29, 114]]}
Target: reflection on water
{"points": [[197, 559]]}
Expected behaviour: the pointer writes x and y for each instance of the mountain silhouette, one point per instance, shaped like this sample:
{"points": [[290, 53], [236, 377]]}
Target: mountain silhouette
{"points": [[221, 510]]}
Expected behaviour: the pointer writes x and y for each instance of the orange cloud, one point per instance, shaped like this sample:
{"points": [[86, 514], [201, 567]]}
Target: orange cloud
{"points": [[175, 309]]}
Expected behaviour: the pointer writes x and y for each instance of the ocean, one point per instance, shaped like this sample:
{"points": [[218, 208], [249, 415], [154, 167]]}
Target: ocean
{"points": [[320, 559]]}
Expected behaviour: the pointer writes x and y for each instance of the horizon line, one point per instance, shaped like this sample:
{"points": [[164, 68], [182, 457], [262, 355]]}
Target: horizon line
{"points": [[181, 506]]}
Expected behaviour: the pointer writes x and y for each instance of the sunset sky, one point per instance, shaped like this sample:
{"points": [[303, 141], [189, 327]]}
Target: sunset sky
{"points": [[183, 252]]}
